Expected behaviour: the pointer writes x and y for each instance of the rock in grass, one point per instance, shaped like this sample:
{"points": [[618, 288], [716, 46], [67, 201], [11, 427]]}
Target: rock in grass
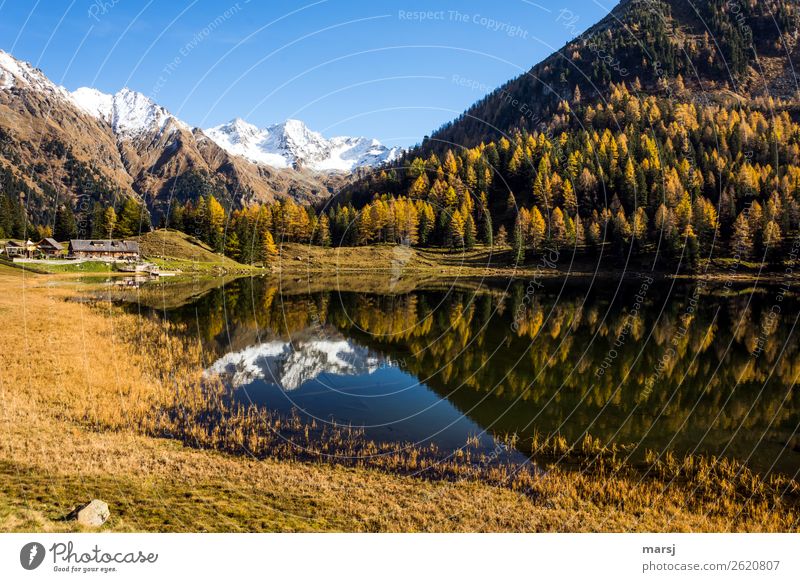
{"points": [[92, 514]]}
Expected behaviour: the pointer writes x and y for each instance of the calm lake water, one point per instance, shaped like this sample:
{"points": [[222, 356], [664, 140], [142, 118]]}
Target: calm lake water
{"points": [[668, 365]]}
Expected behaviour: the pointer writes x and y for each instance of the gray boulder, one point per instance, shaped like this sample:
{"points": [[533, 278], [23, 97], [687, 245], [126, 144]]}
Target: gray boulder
{"points": [[92, 514]]}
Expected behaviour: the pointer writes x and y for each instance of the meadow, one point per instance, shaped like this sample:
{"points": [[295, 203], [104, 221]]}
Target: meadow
{"points": [[99, 402]]}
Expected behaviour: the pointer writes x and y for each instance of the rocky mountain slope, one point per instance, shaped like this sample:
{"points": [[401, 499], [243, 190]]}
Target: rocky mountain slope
{"points": [[88, 146], [58, 151], [168, 159]]}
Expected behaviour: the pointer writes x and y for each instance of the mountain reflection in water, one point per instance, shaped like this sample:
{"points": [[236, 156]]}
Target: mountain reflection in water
{"points": [[291, 364]]}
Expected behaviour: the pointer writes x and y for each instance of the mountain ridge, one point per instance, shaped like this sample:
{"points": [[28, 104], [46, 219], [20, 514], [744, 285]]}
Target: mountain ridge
{"points": [[292, 144], [288, 144], [662, 47]]}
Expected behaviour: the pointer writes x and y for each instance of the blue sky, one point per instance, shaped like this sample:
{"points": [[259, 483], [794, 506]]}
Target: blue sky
{"points": [[394, 70]]}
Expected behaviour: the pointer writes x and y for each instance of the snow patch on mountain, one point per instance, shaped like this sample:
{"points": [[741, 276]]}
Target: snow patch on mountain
{"points": [[130, 113], [94, 102], [292, 144], [6, 80], [290, 365], [16, 73]]}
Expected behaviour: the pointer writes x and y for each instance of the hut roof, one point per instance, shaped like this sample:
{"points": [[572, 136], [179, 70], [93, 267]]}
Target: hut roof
{"points": [[52, 243], [104, 246]]}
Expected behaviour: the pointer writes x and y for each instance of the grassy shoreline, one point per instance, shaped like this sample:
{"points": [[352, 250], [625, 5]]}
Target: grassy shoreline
{"points": [[77, 426], [486, 262], [177, 252]]}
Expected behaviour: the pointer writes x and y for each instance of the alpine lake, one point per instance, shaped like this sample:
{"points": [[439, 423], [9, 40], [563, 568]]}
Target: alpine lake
{"points": [[655, 364]]}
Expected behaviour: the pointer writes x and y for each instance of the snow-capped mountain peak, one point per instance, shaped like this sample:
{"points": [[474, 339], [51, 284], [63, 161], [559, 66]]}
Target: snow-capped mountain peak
{"points": [[291, 144], [242, 131], [129, 113], [296, 133]]}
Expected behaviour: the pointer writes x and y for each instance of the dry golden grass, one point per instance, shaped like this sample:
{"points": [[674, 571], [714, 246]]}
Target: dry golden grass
{"points": [[86, 390]]}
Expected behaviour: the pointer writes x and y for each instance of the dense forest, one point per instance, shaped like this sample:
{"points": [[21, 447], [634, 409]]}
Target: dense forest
{"points": [[690, 179]]}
